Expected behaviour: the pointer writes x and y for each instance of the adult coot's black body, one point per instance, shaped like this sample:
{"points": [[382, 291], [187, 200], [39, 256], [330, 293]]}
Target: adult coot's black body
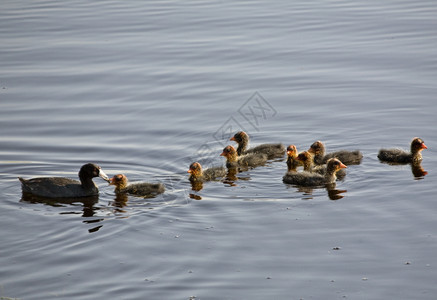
{"points": [[271, 150], [198, 174], [314, 179], [143, 189], [61, 187], [247, 160], [403, 157], [348, 157]]}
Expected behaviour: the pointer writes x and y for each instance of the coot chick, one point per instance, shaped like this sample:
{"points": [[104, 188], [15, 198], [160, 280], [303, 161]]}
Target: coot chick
{"points": [[61, 187], [143, 189], [307, 159], [247, 160], [271, 150], [292, 162], [348, 157], [403, 157], [314, 179], [198, 174]]}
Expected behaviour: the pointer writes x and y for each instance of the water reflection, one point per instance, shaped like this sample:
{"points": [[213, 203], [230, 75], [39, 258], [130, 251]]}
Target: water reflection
{"points": [[88, 209], [87, 202], [229, 180], [416, 169], [196, 185], [194, 196], [333, 192], [231, 176], [119, 202]]}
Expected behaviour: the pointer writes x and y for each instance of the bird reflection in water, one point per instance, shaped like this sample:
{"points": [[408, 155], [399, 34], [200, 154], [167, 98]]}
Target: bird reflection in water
{"points": [[418, 171], [195, 197], [198, 177], [119, 202], [231, 177], [87, 202], [88, 209], [196, 185], [122, 200], [333, 192]]}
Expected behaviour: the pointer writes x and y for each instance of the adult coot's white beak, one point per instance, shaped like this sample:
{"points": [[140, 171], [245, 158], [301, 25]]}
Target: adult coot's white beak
{"points": [[103, 175]]}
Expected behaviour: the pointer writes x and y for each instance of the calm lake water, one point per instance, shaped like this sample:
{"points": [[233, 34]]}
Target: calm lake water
{"points": [[146, 88]]}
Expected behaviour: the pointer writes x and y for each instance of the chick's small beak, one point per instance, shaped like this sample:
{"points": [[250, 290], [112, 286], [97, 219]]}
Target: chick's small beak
{"points": [[223, 154], [189, 171], [232, 139], [342, 166], [424, 146]]}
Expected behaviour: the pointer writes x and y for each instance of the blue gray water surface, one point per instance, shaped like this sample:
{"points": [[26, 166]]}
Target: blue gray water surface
{"points": [[145, 88]]}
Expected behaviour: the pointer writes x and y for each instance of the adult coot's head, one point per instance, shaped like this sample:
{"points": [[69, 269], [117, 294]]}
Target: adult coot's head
{"points": [[89, 171]]}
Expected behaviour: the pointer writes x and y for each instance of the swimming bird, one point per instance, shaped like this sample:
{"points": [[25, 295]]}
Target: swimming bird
{"points": [[307, 159], [403, 157], [271, 150], [317, 149], [198, 174], [247, 160], [61, 187], [292, 162], [314, 179], [143, 189]]}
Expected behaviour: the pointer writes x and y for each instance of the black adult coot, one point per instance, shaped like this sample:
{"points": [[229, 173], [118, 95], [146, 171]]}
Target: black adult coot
{"points": [[307, 159], [198, 174], [61, 187], [317, 149], [404, 157], [143, 189], [314, 179], [271, 150], [292, 162], [247, 160]]}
